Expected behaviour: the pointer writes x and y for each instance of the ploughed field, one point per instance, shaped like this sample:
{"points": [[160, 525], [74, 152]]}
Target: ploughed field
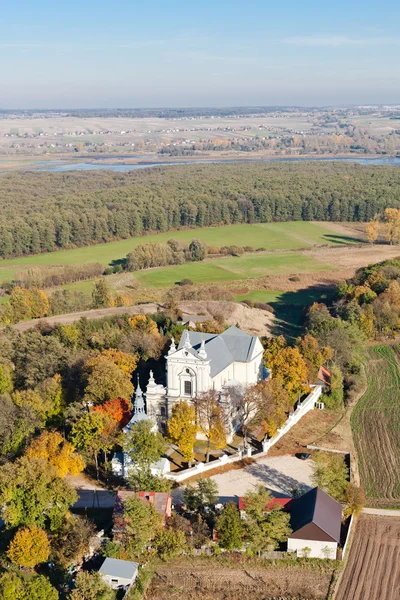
{"points": [[373, 566], [376, 428], [213, 579]]}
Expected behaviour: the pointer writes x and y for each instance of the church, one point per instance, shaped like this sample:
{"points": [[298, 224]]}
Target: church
{"points": [[203, 362]]}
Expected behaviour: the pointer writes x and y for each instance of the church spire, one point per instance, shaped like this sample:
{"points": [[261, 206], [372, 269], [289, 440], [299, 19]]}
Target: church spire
{"points": [[139, 407]]}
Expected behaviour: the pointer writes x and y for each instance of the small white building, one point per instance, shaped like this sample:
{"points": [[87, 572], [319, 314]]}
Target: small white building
{"points": [[315, 519], [119, 574]]}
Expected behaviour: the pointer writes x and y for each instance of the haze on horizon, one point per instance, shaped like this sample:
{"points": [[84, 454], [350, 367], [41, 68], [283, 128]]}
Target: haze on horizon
{"points": [[168, 54]]}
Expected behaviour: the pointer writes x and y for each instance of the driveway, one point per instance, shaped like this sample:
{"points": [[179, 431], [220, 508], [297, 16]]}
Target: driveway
{"points": [[279, 474]]}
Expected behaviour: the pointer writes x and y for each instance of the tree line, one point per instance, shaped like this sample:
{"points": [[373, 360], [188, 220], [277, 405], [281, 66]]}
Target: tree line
{"points": [[42, 212]]}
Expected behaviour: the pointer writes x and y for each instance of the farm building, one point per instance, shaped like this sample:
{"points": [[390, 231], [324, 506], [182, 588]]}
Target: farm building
{"points": [[119, 574], [315, 520]]}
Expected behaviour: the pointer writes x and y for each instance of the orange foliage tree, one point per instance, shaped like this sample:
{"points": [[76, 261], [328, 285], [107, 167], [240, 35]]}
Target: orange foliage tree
{"points": [[118, 410]]}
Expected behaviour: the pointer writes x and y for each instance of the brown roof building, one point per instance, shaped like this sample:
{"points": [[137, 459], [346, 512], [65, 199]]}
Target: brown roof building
{"points": [[315, 519], [161, 501]]}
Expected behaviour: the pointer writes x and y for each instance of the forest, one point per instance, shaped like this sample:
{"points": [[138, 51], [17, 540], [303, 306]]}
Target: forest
{"points": [[43, 212]]}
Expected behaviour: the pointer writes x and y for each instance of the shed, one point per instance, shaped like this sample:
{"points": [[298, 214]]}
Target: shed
{"points": [[119, 573], [315, 520]]}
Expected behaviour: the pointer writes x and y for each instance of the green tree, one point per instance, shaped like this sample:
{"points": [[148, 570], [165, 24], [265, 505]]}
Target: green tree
{"points": [[145, 447], [90, 586], [31, 493], [169, 543], [87, 434], [182, 428], [101, 294], [141, 523], [6, 382], [15, 587], [71, 543], [197, 249], [106, 381], [331, 474], [355, 500], [203, 493], [230, 528]]}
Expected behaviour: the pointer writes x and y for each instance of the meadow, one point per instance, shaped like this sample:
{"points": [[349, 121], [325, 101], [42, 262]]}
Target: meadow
{"points": [[376, 424]]}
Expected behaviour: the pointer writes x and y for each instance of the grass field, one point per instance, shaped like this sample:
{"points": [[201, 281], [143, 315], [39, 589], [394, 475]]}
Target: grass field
{"points": [[232, 268], [376, 425], [271, 236]]}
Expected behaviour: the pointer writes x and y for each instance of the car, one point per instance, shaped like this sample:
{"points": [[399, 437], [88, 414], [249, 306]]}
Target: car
{"points": [[303, 455]]}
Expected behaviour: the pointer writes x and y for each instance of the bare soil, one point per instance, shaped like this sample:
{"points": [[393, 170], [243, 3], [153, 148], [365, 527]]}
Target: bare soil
{"points": [[373, 567], [208, 579]]}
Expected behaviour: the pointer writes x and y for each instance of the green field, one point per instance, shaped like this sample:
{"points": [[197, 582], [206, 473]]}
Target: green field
{"points": [[232, 268], [376, 427], [271, 236]]}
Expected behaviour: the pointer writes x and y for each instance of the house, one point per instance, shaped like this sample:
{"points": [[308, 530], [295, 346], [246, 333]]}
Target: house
{"points": [[119, 574], [203, 362], [161, 501], [315, 520], [324, 379]]}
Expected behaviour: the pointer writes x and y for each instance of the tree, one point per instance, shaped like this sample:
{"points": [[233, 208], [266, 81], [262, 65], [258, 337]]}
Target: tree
{"points": [[372, 231], [355, 500], [101, 294], [31, 493], [334, 399], [211, 420], [145, 447], [88, 434], [169, 543], [289, 367], [52, 447], [90, 586], [17, 425], [52, 394], [331, 474], [16, 587], [182, 428], [247, 405], [203, 493], [230, 528], [6, 382], [124, 361], [197, 249], [72, 542], [106, 381], [273, 404], [141, 522], [391, 219], [313, 355], [29, 547], [118, 410], [306, 551], [265, 526]]}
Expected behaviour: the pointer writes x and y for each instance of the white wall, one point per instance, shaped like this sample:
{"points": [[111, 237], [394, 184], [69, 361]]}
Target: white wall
{"points": [[121, 582], [317, 548]]}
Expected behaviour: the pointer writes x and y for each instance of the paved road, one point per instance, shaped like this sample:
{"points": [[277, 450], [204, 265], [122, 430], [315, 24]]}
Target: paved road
{"points": [[382, 512]]}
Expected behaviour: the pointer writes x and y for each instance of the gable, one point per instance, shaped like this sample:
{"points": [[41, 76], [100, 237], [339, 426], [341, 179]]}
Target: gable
{"points": [[312, 532]]}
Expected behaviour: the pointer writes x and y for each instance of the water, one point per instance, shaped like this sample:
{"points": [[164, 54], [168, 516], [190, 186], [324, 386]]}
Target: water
{"points": [[85, 166]]}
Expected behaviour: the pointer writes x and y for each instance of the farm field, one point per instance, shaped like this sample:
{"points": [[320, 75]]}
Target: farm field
{"points": [[373, 567], [376, 425], [222, 579], [271, 236]]}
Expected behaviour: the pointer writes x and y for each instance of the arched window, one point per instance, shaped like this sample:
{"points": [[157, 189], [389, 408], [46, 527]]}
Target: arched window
{"points": [[188, 388], [162, 411]]}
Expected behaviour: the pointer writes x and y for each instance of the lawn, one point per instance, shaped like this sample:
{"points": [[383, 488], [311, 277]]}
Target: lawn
{"points": [[271, 236], [232, 268], [376, 425]]}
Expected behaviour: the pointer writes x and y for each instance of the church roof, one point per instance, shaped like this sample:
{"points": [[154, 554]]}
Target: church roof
{"points": [[233, 345]]}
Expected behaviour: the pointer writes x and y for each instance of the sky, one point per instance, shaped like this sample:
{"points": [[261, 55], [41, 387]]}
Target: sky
{"points": [[169, 53]]}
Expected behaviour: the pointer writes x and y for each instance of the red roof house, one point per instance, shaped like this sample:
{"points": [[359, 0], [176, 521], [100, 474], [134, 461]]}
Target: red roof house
{"points": [[161, 501]]}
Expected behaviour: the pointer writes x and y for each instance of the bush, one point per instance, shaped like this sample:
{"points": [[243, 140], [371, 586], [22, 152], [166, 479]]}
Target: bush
{"points": [[185, 281], [261, 249], [264, 306], [295, 278], [247, 302]]}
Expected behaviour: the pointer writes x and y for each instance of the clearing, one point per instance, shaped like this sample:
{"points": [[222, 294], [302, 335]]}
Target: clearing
{"points": [[375, 423], [373, 567], [240, 578]]}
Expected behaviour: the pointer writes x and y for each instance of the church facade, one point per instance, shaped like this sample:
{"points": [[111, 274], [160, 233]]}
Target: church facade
{"points": [[203, 362]]}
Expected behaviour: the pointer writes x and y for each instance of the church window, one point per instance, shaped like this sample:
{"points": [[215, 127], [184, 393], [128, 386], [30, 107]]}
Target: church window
{"points": [[188, 388], [187, 371], [162, 411]]}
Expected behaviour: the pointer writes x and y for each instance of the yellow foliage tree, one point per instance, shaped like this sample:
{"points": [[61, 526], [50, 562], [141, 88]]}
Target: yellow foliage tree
{"points": [[106, 380], [124, 361], [144, 324], [29, 547], [289, 367], [392, 225], [60, 453], [182, 428], [372, 231]]}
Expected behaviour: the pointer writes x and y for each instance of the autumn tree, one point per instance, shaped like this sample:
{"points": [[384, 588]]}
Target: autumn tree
{"points": [[289, 367], [124, 361], [101, 294], [331, 474], [273, 404], [17, 587], [106, 381], [94, 432], [60, 453], [230, 528], [31, 493], [313, 355], [118, 410], [211, 420], [372, 230], [354, 499], [71, 543], [182, 429], [391, 219], [29, 547]]}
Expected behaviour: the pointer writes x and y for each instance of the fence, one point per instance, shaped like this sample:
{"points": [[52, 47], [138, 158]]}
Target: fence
{"points": [[302, 409], [347, 537]]}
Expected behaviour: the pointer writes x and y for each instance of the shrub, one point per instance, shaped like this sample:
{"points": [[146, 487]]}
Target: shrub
{"points": [[185, 281], [264, 306], [247, 302]]}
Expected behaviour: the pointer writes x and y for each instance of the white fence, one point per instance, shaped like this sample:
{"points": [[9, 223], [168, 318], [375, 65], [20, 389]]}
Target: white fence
{"points": [[347, 537], [302, 409]]}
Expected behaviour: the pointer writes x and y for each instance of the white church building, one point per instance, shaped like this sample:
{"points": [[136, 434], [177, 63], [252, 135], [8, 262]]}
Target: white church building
{"points": [[203, 362]]}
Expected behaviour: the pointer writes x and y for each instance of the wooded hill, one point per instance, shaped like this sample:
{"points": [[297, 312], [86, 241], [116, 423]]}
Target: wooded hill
{"points": [[42, 212]]}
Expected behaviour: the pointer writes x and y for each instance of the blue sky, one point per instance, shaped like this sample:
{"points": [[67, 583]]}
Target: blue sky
{"points": [[184, 53]]}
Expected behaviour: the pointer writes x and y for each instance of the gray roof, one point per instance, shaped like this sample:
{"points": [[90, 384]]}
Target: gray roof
{"points": [[121, 569], [233, 345]]}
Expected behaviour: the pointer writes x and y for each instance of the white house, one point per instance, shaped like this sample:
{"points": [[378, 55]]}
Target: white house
{"points": [[203, 362], [315, 519], [119, 574]]}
